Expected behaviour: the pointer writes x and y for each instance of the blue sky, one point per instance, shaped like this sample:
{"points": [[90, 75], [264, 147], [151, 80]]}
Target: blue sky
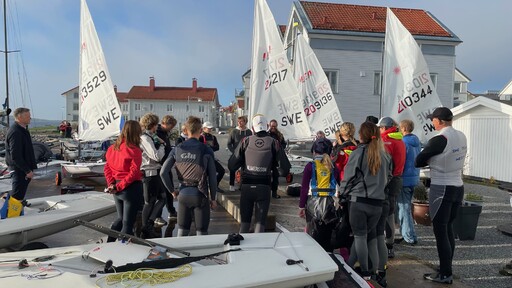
{"points": [[177, 40]]}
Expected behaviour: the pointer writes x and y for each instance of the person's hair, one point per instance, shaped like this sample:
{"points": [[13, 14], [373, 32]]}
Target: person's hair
{"points": [[243, 117], [369, 133], [169, 120], [407, 124], [19, 111], [348, 129], [326, 161], [148, 121], [373, 119], [183, 128], [130, 135], [337, 135], [193, 124]]}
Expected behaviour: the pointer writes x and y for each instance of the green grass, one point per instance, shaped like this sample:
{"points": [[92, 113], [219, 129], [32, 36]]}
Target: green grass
{"points": [[49, 130]]}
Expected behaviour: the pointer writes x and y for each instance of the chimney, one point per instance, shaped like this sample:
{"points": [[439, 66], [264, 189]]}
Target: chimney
{"points": [[151, 84], [374, 14], [115, 89], [194, 85]]}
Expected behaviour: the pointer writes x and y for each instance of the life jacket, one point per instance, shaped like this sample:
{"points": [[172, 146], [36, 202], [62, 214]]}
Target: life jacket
{"points": [[322, 182], [190, 167], [12, 207], [259, 155]]}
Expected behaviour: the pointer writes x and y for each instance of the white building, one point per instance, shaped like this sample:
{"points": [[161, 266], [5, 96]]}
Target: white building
{"points": [[487, 125], [179, 102]]}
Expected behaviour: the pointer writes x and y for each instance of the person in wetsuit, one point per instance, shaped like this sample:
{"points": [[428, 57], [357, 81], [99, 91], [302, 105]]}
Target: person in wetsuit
{"points": [[196, 173], [257, 157]]}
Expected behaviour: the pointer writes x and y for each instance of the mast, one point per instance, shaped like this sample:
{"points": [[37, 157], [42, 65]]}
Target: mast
{"points": [[6, 63]]}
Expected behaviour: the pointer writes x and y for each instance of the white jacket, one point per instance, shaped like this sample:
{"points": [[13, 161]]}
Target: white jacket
{"points": [[150, 155]]}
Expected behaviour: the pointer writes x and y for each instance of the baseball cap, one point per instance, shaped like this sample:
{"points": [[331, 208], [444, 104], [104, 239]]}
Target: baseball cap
{"points": [[259, 123], [207, 124], [441, 113], [386, 122]]}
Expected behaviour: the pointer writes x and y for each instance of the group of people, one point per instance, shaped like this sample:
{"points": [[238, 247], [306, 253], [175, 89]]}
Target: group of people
{"points": [[65, 129], [371, 180], [373, 176]]}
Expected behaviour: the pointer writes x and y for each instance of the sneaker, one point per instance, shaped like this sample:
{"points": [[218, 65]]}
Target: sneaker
{"points": [[391, 253], [381, 279], [276, 196], [159, 222], [438, 278], [172, 216], [413, 243], [232, 188], [366, 275]]}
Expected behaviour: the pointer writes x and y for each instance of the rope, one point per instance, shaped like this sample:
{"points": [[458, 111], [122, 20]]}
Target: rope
{"points": [[141, 277]]}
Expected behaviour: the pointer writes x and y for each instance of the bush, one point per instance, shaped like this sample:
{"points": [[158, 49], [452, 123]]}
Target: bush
{"points": [[420, 194], [471, 196]]}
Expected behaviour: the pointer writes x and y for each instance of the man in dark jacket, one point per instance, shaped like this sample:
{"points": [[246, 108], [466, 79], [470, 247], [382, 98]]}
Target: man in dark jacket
{"points": [[162, 131], [19, 153], [236, 135], [257, 157], [274, 132]]}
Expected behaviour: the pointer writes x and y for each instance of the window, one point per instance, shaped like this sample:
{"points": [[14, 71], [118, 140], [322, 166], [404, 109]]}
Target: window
{"points": [[75, 107], [137, 107], [75, 95], [137, 118], [188, 108], [201, 108], [151, 107], [124, 107], [332, 76], [433, 77], [377, 83], [75, 117], [169, 107], [457, 88]]}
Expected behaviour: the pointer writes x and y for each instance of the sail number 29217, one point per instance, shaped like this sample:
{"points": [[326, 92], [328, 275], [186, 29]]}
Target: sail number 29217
{"points": [[93, 84], [275, 77]]}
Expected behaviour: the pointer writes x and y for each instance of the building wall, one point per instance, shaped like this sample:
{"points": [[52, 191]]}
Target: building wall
{"points": [[488, 156]]}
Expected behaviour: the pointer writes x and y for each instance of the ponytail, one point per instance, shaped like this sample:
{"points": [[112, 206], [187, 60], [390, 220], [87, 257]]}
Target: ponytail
{"points": [[370, 135]]}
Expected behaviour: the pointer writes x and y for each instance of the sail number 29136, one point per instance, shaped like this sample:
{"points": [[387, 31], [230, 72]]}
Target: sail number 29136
{"points": [[93, 84], [275, 77]]}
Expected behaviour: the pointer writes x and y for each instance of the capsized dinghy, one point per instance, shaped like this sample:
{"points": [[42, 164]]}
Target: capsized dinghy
{"points": [[264, 260], [52, 214]]}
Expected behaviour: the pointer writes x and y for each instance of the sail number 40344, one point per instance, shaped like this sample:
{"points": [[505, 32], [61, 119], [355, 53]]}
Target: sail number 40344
{"points": [[93, 84], [415, 97], [275, 77]]}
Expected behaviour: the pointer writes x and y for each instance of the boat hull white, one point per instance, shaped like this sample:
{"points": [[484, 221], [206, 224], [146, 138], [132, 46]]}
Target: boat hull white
{"points": [[262, 262], [83, 169], [66, 208]]}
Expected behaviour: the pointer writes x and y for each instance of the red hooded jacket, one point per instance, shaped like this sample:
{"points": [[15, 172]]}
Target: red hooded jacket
{"points": [[396, 148]]}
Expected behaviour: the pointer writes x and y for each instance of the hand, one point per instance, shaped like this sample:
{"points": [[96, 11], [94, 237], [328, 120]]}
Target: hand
{"points": [[213, 204], [175, 194], [302, 213], [29, 175]]}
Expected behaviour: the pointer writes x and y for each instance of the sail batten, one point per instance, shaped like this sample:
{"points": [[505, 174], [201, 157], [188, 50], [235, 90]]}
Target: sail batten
{"points": [[100, 115]]}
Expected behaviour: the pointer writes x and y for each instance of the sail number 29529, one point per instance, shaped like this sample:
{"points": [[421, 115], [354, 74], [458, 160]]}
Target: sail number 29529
{"points": [[275, 77], [93, 84]]}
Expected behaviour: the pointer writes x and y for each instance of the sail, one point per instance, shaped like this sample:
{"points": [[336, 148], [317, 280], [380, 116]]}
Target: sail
{"points": [[408, 91], [99, 115], [273, 90], [318, 100]]}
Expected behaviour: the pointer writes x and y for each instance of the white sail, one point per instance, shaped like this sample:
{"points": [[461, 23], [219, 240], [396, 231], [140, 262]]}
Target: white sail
{"points": [[408, 91], [99, 115], [273, 90], [317, 98]]}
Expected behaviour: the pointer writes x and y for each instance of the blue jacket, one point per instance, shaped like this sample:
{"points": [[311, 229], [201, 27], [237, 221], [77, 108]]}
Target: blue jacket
{"points": [[411, 174]]}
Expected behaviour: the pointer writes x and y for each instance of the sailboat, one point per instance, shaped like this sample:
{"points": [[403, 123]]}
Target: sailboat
{"points": [[407, 92], [100, 115]]}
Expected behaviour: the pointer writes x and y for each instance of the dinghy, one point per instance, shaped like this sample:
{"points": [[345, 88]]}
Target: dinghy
{"points": [[52, 214], [291, 259]]}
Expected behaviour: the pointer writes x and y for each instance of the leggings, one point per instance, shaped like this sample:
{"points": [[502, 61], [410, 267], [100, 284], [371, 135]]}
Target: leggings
{"points": [[154, 200], [197, 204], [254, 196], [442, 223], [128, 203]]}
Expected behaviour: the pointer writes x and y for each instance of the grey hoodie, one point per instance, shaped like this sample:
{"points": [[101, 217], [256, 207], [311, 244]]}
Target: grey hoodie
{"points": [[357, 173]]}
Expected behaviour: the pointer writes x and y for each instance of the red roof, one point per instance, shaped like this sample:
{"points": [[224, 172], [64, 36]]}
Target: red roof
{"points": [[345, 17], [121, 96], [171, 93]]}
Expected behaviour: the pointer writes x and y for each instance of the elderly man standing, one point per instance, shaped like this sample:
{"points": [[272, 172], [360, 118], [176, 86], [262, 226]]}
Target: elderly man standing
{"points": [[445, 154], [19, 156]]}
